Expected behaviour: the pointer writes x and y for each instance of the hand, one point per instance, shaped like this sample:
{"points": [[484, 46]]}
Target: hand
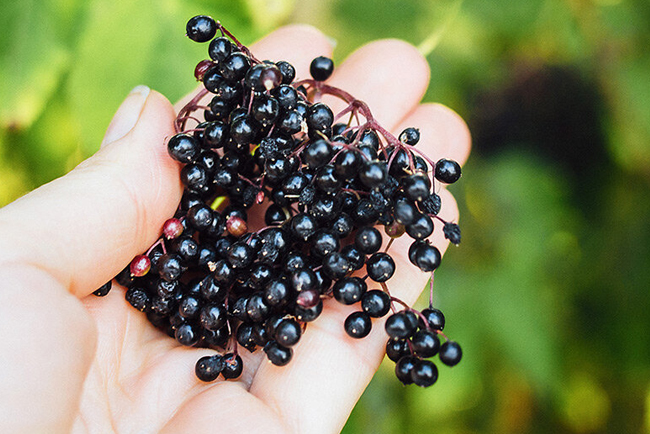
{"points": [[70, 361]]}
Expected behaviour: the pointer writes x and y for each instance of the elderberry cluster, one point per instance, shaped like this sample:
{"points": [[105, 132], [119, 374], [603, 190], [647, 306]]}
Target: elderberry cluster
{"points": [[327, 190]]}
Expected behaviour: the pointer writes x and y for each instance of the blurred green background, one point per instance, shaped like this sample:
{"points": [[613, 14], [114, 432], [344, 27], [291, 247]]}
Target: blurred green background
{"points": [[548, 294]]}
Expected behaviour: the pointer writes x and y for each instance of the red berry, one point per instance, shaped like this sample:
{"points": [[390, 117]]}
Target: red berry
{"points": [[140, 265], [236, 226], [201, 68], [172, 228]]}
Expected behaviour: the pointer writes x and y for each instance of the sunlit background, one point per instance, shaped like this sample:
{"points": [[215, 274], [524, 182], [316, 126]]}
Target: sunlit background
{"points": [[548, 293]]}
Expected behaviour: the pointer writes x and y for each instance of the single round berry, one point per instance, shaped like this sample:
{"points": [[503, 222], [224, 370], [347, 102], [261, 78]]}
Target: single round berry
{"points": [[172, 228], [138, 298], [200, 217], [287, 70], [208, 368], [357, 325], [404, 367], [277, 354], [368, 240], [400, 326], [201, 68], [183, 148], [201, 28], [213, 316], [308, 298], [321, 68], [410, 136], [380, 267], [434, 317], [450, 353], [219, 49], [233, 367], [396, 349], [447, 171], [287, 332], [425, 343], [187, 335], [424, 373], [375, 303], [349, 290], [236, 226]]}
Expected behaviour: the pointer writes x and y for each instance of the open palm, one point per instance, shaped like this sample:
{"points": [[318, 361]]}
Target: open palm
{"points": [[73, 362]]}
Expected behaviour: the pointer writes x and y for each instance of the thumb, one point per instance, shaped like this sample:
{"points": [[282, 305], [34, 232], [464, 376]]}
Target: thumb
{"points": [[84, 227]]}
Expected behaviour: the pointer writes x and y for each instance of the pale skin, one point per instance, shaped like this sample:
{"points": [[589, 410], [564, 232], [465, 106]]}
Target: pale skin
{"points": [[72, 362]]}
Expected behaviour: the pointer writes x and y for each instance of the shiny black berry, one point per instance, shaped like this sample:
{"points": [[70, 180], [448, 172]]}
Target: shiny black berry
{"points": [[201, 28], [321, 68]]}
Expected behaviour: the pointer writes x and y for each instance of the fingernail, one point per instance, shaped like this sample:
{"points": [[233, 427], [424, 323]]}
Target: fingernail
{"points": [[127, 115]]}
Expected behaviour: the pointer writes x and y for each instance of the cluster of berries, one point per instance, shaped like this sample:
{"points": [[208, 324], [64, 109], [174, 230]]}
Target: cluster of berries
{"points": [[214, 280]]}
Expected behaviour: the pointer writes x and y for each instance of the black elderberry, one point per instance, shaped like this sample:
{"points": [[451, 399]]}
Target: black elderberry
{"points": [[240, 255], [431, 204], [302, 226], [450, 353], [287, 70], [347, 164], [434, 317], [103, 290], [323, 243], [233, 367], [424, 373], [308, 314], [349, 290], [201, 28], [208, 368], [277, 354], [410, 136], [256, 309], [400, 326], [170, 267], [424, 256], [452, 232], [358, 325], [335, 265], [368, 240], [303, 279], [138, 298], [200, 217], [447, 171], [421, 227], [396, 349], [380, 267], [194, 177], [405, 212], [219, 49], [404, 367], [183, 148], [317, 154], [417, 186], [373, 174], [319, 117], [213, 316], [287, 332], [355, 257], [375, 303], [245, 336], [425, 343], [189, 307], [234, 67], [321, 68], [187, 334]]}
